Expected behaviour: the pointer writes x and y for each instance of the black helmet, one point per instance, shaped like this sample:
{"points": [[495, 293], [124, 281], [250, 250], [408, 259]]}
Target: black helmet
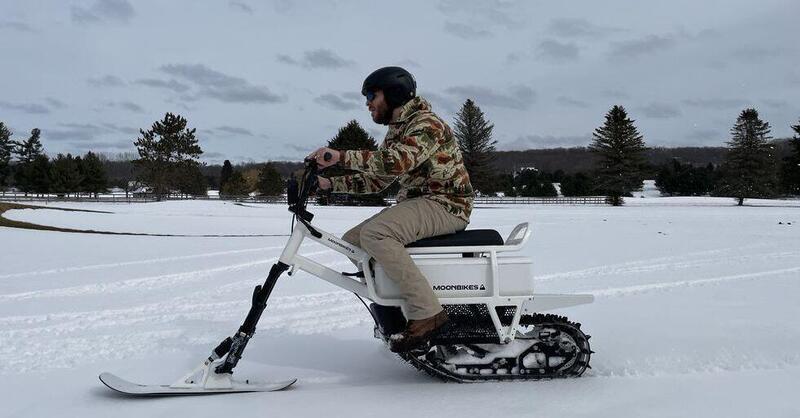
{"points": [[398, 85]]}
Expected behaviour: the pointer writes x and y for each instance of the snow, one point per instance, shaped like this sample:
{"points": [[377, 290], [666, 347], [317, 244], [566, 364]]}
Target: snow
{"points": [[696, 312]]}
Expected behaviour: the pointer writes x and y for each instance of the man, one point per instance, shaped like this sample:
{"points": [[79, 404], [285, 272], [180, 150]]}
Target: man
{"points": [[435, 196]]}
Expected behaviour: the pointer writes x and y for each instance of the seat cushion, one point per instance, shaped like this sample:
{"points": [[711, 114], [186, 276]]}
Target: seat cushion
{"points": [[461, 239]]}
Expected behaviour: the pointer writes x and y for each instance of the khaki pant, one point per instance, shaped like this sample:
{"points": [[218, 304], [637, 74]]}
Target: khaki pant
{"points": [[384, 236]]}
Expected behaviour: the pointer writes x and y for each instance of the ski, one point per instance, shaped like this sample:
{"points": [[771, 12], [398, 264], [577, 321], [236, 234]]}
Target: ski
{"points": [[126, 387]]}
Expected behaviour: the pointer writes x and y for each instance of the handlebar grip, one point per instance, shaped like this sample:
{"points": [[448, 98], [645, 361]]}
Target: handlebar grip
{"points": [[327, 156]]}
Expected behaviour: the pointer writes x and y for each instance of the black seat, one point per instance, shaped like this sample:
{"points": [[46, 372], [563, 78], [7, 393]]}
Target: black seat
{"points": [[461, 239]]}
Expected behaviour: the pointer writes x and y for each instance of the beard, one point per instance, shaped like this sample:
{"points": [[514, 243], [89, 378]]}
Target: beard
{"points": [[382, 115]]}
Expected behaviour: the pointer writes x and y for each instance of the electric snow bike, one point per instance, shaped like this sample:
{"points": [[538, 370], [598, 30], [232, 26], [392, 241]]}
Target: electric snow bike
{"points": [[496, 329]]}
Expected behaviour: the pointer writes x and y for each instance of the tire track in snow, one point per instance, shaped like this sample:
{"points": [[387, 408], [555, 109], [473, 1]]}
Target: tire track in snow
{"points": [[139, 262], [662, 263], [114, 334], [655, 287], [144, 283]]}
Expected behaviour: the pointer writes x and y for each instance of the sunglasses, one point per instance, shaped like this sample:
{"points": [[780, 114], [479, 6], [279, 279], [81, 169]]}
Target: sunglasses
{"points": [[370, 96]]}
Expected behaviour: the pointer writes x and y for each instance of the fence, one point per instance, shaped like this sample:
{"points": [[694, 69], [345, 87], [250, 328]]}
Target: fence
{"points": [[138, 198]]}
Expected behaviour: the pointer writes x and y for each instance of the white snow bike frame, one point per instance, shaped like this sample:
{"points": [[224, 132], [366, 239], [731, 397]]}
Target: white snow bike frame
{"points": [[214, 373], [366, 288]]}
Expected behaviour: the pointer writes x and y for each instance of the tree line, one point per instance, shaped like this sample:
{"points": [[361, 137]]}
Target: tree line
{"points": [[167, 162]]}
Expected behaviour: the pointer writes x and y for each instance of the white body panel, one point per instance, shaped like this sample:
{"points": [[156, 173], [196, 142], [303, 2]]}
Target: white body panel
{"points": [[488, 278]]}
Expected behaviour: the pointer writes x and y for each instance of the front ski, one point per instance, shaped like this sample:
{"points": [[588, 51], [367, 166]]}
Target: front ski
{"points": [[121, 385]]}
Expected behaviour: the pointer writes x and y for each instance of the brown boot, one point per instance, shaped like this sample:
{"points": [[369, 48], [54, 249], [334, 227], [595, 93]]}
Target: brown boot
{"points": [[417, 333]]}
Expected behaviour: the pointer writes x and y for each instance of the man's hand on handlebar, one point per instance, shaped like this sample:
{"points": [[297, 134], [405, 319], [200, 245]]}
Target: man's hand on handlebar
{"points": [[325, 157], [323, 183]]}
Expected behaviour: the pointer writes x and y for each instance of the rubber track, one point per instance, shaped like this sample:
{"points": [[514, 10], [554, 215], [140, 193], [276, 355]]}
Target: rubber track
{"points": [[545, 320]]}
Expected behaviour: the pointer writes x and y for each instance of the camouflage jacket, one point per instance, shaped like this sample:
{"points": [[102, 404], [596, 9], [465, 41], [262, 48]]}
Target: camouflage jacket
{"points": [[420, 152]]}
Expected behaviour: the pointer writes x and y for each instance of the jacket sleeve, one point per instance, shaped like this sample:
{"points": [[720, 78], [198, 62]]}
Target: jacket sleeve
{"points": [[360, 183], [415, 147]]}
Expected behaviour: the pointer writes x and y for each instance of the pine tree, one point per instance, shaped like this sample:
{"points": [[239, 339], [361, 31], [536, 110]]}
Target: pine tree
{"points": [[269, 181], [168, 151], [93, 173], [190, 179], [352, 137], [6, 149], [65, 175], [790, 170], [236, 185], [225, 173], [27, 174], [474, 135], [620, 149], [749, 167], [37, 173]]}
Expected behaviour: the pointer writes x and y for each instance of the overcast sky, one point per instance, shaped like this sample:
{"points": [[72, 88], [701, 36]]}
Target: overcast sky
{"points": [[271, 80]]}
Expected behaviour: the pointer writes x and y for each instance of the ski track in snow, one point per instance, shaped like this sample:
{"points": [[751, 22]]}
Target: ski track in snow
{"points": [[139, 262]]}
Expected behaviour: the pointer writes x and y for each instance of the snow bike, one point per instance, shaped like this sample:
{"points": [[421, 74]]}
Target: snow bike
{"points": [[496, 330]]}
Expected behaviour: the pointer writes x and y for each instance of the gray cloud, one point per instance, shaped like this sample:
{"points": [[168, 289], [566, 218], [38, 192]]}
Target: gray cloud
{"points": [[241, 7], [126, 105], [751, 53], [465, 31], [106, 81], [317, 58], [299, 148], [55, 103], [571, 102], [486, 12], [103, 10], [717, 104], [83, 132], [614, 94], [170, 84], [578, 28], [524, 142], [520, 98], [637, 47], [233, 130], [440, 102], [409, 63], [31, 108], [216, 85], [16, 25], [660, 110], [337, 102], [776, 104], [555, 51]]}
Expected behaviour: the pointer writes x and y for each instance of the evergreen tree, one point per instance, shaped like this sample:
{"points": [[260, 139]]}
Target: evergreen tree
{"points": [[678, 179], [168, 151], [620, 149], [28, 152], [190, 179], [236, 185], [790, 170], [474, 135], [269, 181], [225, 173], [37, 175], [352, 137], [532, 183], [578, 184], [93, 172], [749, 167], [6, 149], [65, 176]]}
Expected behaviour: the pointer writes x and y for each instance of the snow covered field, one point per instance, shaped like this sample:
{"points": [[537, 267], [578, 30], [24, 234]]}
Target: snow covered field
{"points": [[696, 313]]}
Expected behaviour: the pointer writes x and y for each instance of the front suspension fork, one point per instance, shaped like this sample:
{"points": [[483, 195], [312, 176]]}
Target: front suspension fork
{"points": [[233, 347]]}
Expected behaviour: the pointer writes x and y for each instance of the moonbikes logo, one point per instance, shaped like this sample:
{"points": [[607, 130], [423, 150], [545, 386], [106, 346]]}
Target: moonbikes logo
{"points": [[459, 287], [350, 250]]}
